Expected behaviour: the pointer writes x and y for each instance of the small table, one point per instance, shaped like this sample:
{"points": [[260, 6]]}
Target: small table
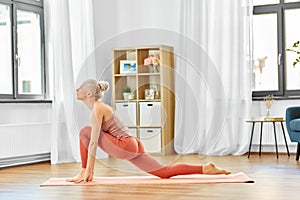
{"points": [[261, 121]]}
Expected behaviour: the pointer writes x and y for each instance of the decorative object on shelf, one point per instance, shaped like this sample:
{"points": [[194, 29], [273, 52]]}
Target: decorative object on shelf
{"points": [[131, 96], [149, 94], [128, 66], [155, 87], [268, 103], [127, 93], [296, 49], [153, 61], [156, 94]]}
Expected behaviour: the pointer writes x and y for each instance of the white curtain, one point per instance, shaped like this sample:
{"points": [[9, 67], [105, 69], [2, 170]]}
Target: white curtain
{"points": [[213, 88], [69, 43]]}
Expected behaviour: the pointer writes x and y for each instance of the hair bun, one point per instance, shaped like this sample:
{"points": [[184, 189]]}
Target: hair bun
{"points": [[104, 85]]}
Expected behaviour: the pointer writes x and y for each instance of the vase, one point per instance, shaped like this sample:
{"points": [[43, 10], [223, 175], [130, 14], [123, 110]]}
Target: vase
{"points": [[268, 104], [154, 68], [126, 95]]}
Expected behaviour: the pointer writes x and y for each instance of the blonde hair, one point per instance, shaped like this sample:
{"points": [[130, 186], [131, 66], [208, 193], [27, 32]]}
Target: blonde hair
{"points": [[97, 87]]}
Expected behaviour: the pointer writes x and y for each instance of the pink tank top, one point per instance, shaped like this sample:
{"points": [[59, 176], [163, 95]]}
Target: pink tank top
{"points": [[115, 127]]}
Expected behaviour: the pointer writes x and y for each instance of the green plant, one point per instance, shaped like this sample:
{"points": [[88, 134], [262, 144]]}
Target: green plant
{"points": [[126, 89], [295, 48]]}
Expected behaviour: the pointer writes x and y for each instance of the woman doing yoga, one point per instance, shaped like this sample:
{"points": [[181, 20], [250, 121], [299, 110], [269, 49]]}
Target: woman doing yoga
{"points": [[108, 132]]}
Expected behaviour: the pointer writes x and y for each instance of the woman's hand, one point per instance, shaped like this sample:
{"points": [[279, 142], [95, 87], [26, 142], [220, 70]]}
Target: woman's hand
{"points": [[78, 178], [83, 176], [88, 176]]}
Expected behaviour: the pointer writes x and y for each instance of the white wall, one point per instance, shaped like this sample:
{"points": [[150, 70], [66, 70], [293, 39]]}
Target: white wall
{"points": [[118, 16]]}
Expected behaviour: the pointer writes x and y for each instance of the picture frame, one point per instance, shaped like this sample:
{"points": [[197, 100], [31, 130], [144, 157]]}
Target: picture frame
{"points": [[128, 67]]}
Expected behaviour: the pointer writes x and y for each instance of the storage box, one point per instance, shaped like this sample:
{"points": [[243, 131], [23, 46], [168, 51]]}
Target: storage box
{"points": [[151, 139], [150, 114], [127, 113]]}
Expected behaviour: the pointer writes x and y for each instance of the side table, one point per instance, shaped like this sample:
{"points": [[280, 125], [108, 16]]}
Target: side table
{"points": [[267, 120]]}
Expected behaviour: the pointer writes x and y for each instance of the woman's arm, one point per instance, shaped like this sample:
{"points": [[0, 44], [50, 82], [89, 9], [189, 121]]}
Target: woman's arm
{"points": [[92, 149]]}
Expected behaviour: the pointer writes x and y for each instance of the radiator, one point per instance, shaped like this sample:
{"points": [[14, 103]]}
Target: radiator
{"points": [[22, 160], [24, 143]]}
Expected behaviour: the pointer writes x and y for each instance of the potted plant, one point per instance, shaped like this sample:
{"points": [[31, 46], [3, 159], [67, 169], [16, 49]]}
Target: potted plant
{"points": [[126, 92], [296, 49]]}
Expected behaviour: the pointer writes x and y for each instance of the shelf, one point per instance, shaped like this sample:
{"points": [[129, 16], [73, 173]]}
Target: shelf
{"points": [[149, 100], [149, 74], [125, 101], [149, 79], [140, 127], [137, 100], [149, 127], [125, 75], [132, 127], [139, 74]]}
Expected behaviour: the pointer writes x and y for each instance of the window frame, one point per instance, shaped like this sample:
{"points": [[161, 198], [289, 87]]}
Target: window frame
{"points": [[31, 2], [282, 92], [31, 6]]}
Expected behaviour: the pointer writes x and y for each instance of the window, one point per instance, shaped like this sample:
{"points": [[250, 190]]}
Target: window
{"points": [[22, 66], [275, 29]]}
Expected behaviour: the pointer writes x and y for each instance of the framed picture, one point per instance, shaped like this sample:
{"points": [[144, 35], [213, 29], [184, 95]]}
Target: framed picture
{"points": [[128, 66]]}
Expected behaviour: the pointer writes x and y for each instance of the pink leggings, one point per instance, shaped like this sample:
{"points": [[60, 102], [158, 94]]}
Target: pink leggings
{"points": [[131, 149]]}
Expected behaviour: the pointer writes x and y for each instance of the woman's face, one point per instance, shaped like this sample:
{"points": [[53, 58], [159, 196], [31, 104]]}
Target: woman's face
{"points": [[82, 92]]}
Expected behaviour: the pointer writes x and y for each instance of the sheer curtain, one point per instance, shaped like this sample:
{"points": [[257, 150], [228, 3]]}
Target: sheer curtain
{"points": [[69, 43], [213, 87]]}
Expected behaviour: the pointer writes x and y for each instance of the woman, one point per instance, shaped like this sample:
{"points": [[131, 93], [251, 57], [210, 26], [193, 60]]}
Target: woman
{"points": [[112, 136]]}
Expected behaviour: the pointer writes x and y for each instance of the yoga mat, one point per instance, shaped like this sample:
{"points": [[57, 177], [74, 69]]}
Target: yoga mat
{"points": [[146, 180]]}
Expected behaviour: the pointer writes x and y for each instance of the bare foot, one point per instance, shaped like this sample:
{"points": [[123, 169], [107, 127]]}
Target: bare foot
{"points": [[78, 178], [210, 168]]}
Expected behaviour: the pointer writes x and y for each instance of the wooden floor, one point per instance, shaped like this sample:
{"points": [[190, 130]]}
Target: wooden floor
{"points": [[274, 179]]}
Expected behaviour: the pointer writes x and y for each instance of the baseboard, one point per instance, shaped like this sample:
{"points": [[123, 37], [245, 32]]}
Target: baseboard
{"points": [[22, 160]]}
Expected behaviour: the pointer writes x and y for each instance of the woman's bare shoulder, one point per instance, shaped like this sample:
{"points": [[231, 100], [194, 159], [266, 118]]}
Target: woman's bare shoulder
{"points": [[100, 106], [102, 111]]}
